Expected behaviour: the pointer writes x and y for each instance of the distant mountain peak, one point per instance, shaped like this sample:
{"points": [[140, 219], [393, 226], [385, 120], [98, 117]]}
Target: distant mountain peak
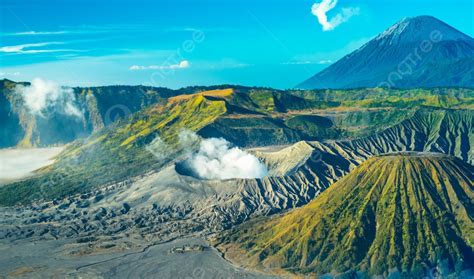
{"points": [[447, 58], [395, 30], [416, 29]]}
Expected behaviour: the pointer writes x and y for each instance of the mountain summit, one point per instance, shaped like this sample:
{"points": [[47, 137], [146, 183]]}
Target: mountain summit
{"points": [[415, 52]]}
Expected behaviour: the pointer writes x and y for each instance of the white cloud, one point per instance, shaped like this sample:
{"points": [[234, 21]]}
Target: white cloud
{"points": [[320, 11], [181, 65], [19, 48], [9, 74], [327, 61], [216, 159], [29, 33], [32, 48], [43, 95], [81, 29], [34, 51], [307, 62], [222, 64]]}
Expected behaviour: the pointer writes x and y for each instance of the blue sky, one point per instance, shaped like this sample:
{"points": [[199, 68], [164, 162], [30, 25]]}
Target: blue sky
{"points": [[176, 43]]}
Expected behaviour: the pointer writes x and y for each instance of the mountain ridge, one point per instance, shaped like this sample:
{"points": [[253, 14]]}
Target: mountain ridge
{"points": [[104, 105]]}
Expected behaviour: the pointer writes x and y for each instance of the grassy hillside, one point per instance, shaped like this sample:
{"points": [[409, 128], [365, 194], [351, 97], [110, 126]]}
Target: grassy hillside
{"points": [[314, 126], [118, 152], [392, 212], [398, 98]]}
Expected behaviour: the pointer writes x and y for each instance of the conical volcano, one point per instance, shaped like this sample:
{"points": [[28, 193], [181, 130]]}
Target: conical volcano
{"points": [[415, 52], [396, 213]]}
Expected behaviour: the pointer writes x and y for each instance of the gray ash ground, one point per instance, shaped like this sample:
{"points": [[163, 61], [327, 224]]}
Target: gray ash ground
{"points": [[135, 259], [116, 232]]}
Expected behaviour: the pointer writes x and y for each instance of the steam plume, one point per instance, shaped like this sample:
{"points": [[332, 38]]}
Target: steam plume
{"points": [[43, 96], [216, 159]]}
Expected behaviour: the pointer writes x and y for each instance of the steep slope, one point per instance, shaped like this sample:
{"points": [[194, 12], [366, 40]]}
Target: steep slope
{"points": [[444, 131], [392, 212], [415, 52], [97, 107], [11, 130], [147, 142]]}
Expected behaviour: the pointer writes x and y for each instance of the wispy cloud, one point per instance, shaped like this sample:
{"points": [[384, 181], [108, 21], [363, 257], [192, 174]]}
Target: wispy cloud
{"points": [[327, 61], [32, 48], [307, 62], [19, 48], [320, 11], [32, 33], [181, 65], [93, 29], [82, 29], [2, 74], [199, 29], [222, 64], [329, 57]]}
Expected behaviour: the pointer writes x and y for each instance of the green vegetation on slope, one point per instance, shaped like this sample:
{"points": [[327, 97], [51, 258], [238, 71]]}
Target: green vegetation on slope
{"points": [[314, 126], [363, 123], [396, 98], [117, 153], [392, 212]]}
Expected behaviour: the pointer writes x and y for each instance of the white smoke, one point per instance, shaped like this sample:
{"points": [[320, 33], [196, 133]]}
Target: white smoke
{"points": [[320, 10], [159, 148], [212, 158], [43, 95], [216, 159], [187, 138]]}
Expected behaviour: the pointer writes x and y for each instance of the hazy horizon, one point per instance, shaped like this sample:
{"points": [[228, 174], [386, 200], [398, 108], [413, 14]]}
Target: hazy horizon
{"points": [[274, 44]]}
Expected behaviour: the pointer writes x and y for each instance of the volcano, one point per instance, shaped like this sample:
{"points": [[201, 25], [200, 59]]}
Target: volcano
{"points": [[415, 52], [393, 213]]}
